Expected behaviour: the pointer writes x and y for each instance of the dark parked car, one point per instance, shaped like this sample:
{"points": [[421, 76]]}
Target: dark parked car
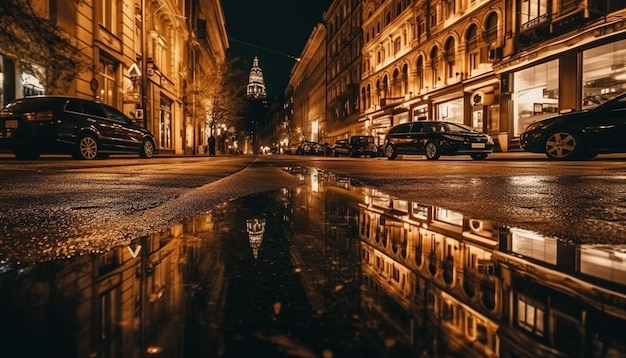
{"points": [[83, 128], [436, 138], [580, 135], [356, 146]]}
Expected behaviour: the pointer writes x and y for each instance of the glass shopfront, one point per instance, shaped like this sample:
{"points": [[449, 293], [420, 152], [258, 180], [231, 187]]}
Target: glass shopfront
{"points": [[604, 73], [450, 111], [420, 113], [535, 96]]}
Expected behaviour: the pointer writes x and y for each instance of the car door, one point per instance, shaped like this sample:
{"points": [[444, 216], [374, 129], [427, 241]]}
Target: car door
{"points": [[400, 139], [95, 119], [128, 135], [418, 138], [609, 126]]}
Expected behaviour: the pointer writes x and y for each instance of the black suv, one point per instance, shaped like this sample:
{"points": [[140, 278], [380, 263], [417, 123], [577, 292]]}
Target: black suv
{"points": [[357, 146], [436, 138], [85, 129]]}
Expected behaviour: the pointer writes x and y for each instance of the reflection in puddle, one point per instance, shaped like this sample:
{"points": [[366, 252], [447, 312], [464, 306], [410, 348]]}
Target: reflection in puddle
{"points": [[326, 269]]}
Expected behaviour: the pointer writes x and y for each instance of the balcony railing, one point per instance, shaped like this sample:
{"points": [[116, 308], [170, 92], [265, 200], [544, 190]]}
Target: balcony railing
{"points": [[534, 22]]}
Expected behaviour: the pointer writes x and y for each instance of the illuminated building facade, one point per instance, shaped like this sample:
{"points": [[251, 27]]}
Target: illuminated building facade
{"points": [[491, 64], [560, 56], [306, 94], [256, 84], [430, 60], [343, 69], [137, 54]]}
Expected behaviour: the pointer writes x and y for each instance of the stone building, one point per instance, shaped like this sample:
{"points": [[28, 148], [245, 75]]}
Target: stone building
{"points": [[140, 56]]}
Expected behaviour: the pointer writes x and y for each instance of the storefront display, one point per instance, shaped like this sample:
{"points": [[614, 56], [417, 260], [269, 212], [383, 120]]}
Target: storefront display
{"points": [[535, 94], [450, 111], [604, 73]]}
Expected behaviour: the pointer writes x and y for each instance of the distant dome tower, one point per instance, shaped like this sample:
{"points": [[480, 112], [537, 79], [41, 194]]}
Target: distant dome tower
{"points": [[256, 85]]}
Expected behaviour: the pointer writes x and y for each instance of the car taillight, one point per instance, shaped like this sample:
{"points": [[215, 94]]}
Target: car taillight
{"points": [[38, 116]]}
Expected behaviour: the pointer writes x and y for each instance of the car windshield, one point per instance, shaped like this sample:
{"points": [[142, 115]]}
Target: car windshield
{"points": [[449, 127], [596, 100]]}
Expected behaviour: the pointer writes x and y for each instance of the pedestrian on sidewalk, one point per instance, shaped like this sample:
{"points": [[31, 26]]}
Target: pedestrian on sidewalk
{"points": [[212, 145]]}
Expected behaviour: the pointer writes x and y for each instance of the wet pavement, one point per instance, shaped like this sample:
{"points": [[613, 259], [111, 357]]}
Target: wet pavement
{"points": [[329, 268]]}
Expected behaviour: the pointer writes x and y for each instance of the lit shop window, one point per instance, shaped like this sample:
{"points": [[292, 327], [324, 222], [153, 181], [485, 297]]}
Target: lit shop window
{"points": [[607, 262], [31, 85], [532, 245], [165, 125], [530, 315], [451, 111], [604, 73], [535, 95]]}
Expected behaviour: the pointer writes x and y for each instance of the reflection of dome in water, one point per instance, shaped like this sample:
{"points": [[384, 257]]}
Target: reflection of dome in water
{"points": [[256, 228]]}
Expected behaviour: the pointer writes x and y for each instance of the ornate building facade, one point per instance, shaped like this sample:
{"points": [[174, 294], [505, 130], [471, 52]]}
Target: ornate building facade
{"points": [[256, 84], [343, 69], [430, 60], [491, 64], [306, 93], [141, 56]]}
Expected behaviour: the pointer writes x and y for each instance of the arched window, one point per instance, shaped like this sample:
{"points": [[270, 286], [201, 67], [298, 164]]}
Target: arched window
{"points": [[368, 96], [396, 84], [379, 92], [363, 98], [385, 89], [491, 29], [405, 79], [450, 57], [434, 64], [420, 73], [473, 58]]}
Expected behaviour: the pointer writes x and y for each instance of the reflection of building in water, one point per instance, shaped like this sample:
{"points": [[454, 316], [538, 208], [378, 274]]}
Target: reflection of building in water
{"points": [[566, 298], [435, 268], [132, 298], [485, 289], [256, 229]]}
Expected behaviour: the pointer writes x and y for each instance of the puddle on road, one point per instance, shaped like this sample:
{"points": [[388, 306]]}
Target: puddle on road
{"points": [[326, 269]]}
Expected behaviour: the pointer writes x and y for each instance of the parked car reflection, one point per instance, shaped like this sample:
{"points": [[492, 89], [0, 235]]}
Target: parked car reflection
{"points": [[325, 268]]}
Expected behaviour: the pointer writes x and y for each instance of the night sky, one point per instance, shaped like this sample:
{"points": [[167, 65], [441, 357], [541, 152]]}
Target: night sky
{"points": [[273, 30]]}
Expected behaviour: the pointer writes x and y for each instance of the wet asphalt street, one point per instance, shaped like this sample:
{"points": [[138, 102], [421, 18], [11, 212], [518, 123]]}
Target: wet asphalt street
{"points": [[59, 207], [312, 257]]}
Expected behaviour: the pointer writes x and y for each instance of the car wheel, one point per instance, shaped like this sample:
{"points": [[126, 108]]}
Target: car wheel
{"points": [[563, 145], [390, 153], [147, 149], [87, 148], [432, 151], [480, 156]]}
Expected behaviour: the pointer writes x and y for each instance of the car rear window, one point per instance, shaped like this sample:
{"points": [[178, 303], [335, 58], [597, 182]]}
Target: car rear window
{"points": [[23, 105]]}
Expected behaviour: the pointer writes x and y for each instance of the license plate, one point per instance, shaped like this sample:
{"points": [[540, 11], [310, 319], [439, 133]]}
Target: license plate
{"points": [[478, 145], [11, 123]]}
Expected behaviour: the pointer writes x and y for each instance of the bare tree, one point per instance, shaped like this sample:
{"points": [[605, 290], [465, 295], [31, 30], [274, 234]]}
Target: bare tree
{"points": [[221, 95], [40, 46]]}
